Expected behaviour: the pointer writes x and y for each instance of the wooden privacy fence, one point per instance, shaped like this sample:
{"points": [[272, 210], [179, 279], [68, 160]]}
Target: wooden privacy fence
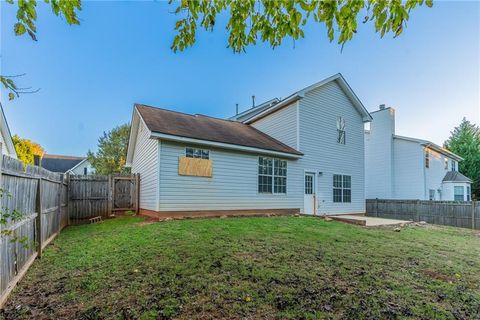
{"points": [[92, 196], [40, 196], [449, 213], [47, 203]]}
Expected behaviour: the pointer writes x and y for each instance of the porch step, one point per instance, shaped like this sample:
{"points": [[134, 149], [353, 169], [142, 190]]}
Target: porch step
{"points": [[95, 219]]}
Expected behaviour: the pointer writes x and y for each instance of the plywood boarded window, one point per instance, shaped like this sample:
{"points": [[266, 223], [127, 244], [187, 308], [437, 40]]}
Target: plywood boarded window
{"points": [[196, 167]]}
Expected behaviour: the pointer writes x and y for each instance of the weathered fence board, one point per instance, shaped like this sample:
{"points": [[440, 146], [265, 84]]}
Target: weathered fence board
{"points": [[41, 217], [449, 213], [93, 196], [48, 201]]}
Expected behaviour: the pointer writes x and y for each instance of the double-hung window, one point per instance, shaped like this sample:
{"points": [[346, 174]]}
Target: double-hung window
{"points": [[458, 193], [197, 153], [272, 175], [342, 188], [454, 165], [341, 135], [469, 195]]}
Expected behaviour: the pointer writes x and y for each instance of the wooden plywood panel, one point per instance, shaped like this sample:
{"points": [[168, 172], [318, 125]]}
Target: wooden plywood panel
{"points": [[194, 167]]}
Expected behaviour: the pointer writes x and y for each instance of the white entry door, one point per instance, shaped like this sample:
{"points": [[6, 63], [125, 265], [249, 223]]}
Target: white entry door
{"points": [[309, 194]]}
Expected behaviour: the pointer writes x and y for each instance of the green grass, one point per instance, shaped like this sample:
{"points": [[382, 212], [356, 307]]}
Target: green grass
{"points": [[277, 267]]}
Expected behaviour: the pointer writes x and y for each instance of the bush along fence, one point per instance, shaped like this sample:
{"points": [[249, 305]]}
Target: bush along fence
{"points": [[449, 213], [36, 204]]}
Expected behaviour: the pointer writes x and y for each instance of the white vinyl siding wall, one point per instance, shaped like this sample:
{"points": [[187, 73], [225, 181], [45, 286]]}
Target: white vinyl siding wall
{"points": [[408, 168], [145, 162], [232, 186], [319, 111], [281, 125]]}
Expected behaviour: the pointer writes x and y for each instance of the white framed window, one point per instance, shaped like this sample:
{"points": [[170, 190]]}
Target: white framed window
{"points": [[197, 153], [341, 134], [469, 195], [272, 175], [427, 158], [431, 194], [454, 165], [458, 193], [342, 188], [446, 164]]}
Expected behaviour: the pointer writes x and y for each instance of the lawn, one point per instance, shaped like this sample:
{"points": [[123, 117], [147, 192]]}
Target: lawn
{"points": [[272, 267]]}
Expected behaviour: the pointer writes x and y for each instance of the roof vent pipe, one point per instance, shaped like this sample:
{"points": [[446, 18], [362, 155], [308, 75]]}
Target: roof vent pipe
{"points": [[382, 107], [236, 109], [253, 101]]}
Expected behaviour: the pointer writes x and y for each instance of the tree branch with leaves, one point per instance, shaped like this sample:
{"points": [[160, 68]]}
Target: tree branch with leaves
{"points": [[272, 21], [25, 25]]}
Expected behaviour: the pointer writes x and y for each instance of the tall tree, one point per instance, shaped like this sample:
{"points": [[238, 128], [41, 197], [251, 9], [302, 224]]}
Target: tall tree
{"points": [[249, 21], [112, 151], [464, 140], [26, 149]]}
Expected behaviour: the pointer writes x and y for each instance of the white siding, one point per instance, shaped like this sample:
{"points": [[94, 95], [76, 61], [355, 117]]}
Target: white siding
{"points": [[145, 161], [435, 174], [379, 155], [408, 170], [448, 190], [80, 170], [318, 111], [232, 186], [5, 150], [281, 125]]}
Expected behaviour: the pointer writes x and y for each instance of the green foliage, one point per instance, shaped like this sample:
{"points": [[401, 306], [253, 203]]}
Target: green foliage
{"points": [[6, 218], [464, 140], [26, 149], [112, 151], [26, 18], [273, 21]]}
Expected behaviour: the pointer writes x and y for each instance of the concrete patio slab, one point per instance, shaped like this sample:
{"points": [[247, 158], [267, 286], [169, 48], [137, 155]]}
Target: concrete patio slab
{"points": [[368, 221]]}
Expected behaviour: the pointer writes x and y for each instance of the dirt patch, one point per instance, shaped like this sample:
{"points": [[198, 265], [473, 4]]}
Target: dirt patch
{"points": [[438, 276]]}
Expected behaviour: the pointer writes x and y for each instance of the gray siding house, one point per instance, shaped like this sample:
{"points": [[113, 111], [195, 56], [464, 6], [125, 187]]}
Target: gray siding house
{"points": [[304, 153]]}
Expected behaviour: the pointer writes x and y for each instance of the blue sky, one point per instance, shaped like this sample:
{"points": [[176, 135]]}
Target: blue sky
{"points": [[90, 75]]}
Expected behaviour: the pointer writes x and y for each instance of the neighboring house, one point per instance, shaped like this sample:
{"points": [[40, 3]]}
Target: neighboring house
{"points": [[398, 167], [67, 164], [6, 142], [303, 153]]}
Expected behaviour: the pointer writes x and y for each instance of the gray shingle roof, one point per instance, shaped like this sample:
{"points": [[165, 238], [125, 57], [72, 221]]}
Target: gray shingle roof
{"points": [[58, 163], [210, 129], [455, 176]]}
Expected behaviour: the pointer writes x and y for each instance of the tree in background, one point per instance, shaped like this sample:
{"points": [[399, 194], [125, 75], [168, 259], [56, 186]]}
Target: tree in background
{"points": [[465, 141], [250, 21], [26, 149], [112, 151]]}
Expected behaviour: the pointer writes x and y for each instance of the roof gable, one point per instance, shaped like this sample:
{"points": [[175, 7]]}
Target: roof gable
{"points": [[338, 78]]}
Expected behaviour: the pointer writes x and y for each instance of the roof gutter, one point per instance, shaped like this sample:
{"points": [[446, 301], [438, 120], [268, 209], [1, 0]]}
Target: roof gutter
{"points": [[223, 145], [442, 150]]}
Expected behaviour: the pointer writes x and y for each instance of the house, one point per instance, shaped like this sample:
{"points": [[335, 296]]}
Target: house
{"points": [[67, 164], [6, 143], [304, 153], [400, 167]]}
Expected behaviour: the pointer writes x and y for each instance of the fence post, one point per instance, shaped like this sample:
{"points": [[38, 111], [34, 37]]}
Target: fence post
{"points": [[59, 201], [110, 195], [473, 214], [417, 210], [68, 199], [39, 217]]}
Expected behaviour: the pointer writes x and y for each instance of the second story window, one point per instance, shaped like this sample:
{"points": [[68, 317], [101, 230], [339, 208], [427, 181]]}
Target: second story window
{"points": [[427, 159], [197, 153], [454, 165], [341, 130]]}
